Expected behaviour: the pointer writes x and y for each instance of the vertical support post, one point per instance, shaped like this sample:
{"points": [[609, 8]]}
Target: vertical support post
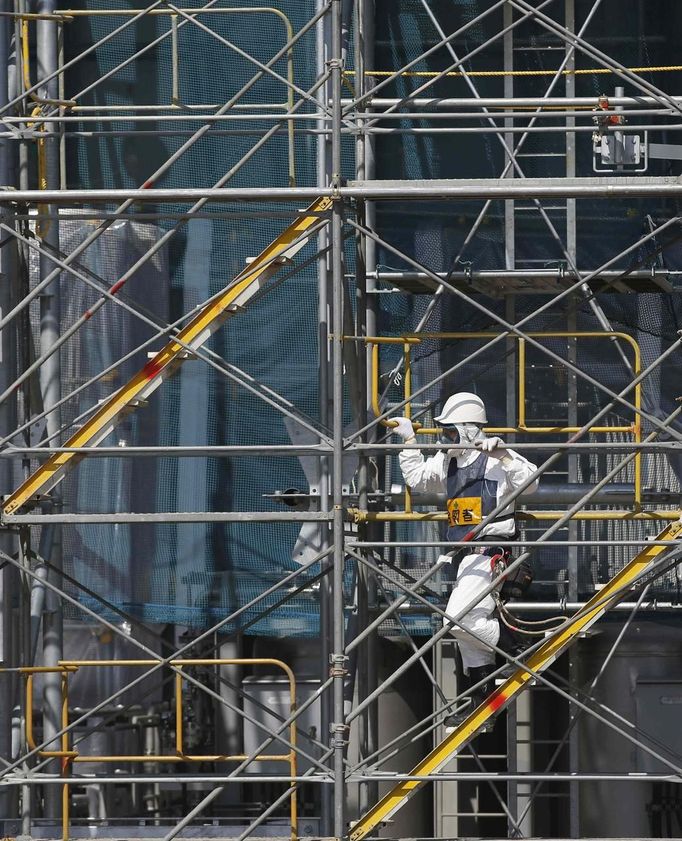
{"points": [[175, 62], [50, 377], [571, 248], [515, 365], [524, 761], [569, 77], [62, 110], [509, 138], [363, 476], [46, 51], [364, 36], [27, 657], [338, 655], [8, 576], [618, 139], [323, 169], [407, 391], [513, 348], [65, 762]]}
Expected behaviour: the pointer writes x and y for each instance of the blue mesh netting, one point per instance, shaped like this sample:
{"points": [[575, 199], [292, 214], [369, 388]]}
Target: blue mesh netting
{"points": [[196, 574]]}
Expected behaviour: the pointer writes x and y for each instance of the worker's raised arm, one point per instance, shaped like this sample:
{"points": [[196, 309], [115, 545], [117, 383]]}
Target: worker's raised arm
{"points": [[425, 475]]}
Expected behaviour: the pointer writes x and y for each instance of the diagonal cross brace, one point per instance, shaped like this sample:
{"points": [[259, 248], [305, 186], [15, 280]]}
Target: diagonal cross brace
{"points": [[546, 654], [196, 333]]}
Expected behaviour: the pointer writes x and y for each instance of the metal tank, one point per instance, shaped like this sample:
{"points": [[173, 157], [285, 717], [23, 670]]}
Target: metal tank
{"points": [[642, 683]]}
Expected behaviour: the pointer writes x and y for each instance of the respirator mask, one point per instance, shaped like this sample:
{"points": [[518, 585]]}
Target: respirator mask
{"points": [[464, 433]]}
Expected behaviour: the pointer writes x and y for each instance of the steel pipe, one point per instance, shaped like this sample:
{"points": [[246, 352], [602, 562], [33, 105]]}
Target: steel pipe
{"points": [[449, 102], [603, 187], [179, 517]]}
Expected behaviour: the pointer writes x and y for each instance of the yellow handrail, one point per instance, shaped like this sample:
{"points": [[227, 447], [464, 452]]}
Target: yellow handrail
{"points": [[357, 515], [69, 756], [407, 340]]}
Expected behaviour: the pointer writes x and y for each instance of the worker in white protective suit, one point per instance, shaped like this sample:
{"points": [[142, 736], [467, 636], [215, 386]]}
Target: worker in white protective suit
{"points": [[476, 481]]}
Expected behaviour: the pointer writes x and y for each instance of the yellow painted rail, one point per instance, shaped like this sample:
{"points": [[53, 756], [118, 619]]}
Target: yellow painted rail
{"points": [[212, 315], [69, 756], [546, 654]]}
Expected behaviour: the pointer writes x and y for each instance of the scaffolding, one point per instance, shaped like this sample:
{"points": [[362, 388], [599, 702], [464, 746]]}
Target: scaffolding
{"points": [[385, 161]]}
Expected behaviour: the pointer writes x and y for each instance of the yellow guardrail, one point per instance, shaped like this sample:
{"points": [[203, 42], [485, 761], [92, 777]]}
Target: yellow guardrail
{"points": [[69, 756], [522, 427]]}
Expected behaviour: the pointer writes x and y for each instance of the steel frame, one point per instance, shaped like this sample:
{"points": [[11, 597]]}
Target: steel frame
{"points": [[332, 117]]}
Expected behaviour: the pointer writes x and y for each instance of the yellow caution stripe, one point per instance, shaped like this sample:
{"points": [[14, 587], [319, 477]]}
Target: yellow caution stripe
{"points": [[546, 654], [192, 336]]}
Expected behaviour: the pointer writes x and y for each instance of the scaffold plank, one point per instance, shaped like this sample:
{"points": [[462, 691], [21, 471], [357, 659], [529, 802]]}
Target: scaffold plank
{"points": [[547, 653], [201, 327]]}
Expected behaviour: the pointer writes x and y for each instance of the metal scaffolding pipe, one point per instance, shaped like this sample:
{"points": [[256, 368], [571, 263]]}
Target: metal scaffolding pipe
{"points": [[338, 659], [513, 102], [386, 776], [597, 187], [562, 605], [9, 648], [50, 376], [284, 450], [179, 517]]}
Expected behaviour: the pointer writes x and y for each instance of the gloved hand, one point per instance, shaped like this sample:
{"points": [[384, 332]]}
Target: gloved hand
{"points": [[493, 446], [404, 428]]}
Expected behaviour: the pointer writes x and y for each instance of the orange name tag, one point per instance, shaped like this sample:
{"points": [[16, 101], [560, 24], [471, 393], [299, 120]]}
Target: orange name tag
{"points": [[464, 511]]}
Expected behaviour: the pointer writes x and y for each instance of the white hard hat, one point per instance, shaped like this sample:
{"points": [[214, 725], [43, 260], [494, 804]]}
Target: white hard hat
{"points": [[462, 407]]}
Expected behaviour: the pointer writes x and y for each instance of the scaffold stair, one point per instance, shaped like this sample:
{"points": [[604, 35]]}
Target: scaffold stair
{"points": [[166, 362], [554, 645]]}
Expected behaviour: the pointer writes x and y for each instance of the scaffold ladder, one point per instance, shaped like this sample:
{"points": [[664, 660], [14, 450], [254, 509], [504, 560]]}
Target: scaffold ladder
{"points": [[198, 330], [540, 660]]}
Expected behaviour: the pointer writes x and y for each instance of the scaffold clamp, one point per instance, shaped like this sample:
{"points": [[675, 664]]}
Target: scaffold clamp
{"points": [[339, 734], [337, 664]]}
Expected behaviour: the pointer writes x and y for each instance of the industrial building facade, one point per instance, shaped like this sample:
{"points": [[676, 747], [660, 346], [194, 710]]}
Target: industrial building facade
{"points": [[237, 243]]}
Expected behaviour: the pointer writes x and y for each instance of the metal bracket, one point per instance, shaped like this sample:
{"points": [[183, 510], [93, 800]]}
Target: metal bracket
{"points": [[335, 185], [339, 733], [337, 665]]}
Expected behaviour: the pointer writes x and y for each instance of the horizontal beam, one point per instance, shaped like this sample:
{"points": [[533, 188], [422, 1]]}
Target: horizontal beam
{"points": [[534, 274], [174, 517], [287, 450], [454, 103], [212, 451], [213, 779], [603, 187]]}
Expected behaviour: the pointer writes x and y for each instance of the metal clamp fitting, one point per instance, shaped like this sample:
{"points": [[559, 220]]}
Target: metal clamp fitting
{"points": [[337, 664], [339, 734]]}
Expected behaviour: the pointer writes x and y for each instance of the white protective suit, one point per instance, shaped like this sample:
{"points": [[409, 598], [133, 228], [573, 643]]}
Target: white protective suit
{"points": [[474, 573]]}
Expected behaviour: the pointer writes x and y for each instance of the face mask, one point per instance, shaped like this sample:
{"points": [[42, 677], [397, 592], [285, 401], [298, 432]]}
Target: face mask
{"points": [[469, 433]]}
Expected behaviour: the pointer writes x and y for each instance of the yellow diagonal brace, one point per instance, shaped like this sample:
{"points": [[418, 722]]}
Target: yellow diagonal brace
{"points": [[546, 654], [167, 360]]}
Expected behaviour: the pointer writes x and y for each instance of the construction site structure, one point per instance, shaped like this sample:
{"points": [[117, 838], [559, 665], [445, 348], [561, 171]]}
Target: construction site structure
{"points": [[223, 613]]}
